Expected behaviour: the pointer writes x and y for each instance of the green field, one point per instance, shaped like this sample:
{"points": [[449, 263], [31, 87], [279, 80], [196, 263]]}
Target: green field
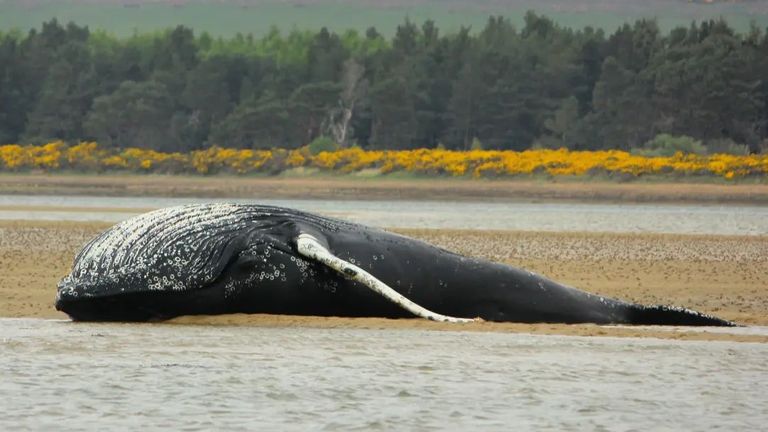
{"points": [[226, 18]]}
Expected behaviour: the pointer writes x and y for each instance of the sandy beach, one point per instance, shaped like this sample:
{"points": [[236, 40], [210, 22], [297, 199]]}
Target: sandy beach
{"points": [[722, 275]]}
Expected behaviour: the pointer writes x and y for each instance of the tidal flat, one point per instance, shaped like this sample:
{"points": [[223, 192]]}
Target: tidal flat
{"points": [[718, 274]]}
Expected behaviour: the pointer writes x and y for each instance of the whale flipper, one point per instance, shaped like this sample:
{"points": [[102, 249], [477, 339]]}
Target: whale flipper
{"points": [[309, 246]]}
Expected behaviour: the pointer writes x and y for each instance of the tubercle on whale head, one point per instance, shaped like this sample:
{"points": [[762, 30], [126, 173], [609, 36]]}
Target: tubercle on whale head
{"points": [[76, 299], [68, 291], [72, 288]]}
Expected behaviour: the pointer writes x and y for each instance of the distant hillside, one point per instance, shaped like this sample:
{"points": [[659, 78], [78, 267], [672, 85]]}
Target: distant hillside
{"points": [[227, 17]]}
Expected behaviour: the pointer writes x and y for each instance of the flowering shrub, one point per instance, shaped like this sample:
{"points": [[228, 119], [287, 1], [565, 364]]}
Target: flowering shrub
{"points": [[217, 159], [88, 156]]}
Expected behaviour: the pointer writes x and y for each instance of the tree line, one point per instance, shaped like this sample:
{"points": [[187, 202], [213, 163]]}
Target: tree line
{"points": [[500, 87]]}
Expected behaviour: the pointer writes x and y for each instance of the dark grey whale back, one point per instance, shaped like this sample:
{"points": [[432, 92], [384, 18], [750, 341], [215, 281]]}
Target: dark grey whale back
{"points": [[180, 248]]}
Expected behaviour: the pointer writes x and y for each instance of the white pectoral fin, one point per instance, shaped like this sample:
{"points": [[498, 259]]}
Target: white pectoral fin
{"points": [[310, 247]]}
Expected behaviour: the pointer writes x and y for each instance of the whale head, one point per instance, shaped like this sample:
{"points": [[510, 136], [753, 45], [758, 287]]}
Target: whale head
{"points": [[147, 266]]}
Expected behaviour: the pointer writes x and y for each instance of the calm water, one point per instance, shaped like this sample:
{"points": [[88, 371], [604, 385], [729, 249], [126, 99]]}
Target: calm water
{"points": [[675, 219], [65, 376]]}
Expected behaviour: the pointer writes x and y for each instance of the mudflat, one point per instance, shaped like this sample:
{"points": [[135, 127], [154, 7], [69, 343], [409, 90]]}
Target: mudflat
{"points": [[721, 275], [384, 188]]}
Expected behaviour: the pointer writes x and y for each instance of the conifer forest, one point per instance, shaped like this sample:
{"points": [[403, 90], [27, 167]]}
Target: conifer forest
{"points": [[500, 87]]}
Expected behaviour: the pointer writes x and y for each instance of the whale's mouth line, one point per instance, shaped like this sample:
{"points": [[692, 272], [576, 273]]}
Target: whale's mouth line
{"points": [[86, 293], [94, 300], [129, 306]]}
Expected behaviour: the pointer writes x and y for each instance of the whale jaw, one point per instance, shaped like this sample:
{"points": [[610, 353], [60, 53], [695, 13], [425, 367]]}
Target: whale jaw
{"points": [[133, 306], [111, 308]]}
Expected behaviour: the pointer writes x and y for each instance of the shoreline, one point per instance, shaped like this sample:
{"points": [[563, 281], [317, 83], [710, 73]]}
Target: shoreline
{"points": [[416, 324], [720, 275], [352, 187]]}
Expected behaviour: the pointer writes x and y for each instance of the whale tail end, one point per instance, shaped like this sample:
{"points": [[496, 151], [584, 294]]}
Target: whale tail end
{"points": [[674, 316]]}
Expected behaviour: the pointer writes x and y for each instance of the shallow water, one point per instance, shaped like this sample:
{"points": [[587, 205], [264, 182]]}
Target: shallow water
{"points": [[520, 216], [66, 376]]}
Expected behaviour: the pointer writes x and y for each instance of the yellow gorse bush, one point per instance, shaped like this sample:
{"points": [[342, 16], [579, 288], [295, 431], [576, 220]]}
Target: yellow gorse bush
{"points": [[238, 161], [89, 156]]}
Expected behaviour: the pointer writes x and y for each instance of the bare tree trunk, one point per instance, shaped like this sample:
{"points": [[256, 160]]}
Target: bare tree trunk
{"points": [[355, 87]]}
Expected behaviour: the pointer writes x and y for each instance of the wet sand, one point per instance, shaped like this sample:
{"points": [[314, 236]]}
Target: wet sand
{"points": [[385, 188], [722, 275]]}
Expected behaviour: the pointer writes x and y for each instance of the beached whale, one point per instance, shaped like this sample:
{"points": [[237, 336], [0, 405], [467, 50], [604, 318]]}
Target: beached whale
{"points": [[233, 258]]}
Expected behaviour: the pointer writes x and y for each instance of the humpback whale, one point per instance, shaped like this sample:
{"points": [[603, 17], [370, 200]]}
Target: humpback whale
{"points": [[242, 258]]}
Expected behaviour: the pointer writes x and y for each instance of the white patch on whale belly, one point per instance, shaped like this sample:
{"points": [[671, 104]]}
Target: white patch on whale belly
{"points": [[311, 248]]}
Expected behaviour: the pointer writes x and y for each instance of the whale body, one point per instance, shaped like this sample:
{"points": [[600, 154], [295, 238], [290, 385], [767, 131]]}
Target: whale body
{"points": [[239, 258]]}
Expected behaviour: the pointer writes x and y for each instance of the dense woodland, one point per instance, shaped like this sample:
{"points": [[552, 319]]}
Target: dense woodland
{"points": [[500, 87]]}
